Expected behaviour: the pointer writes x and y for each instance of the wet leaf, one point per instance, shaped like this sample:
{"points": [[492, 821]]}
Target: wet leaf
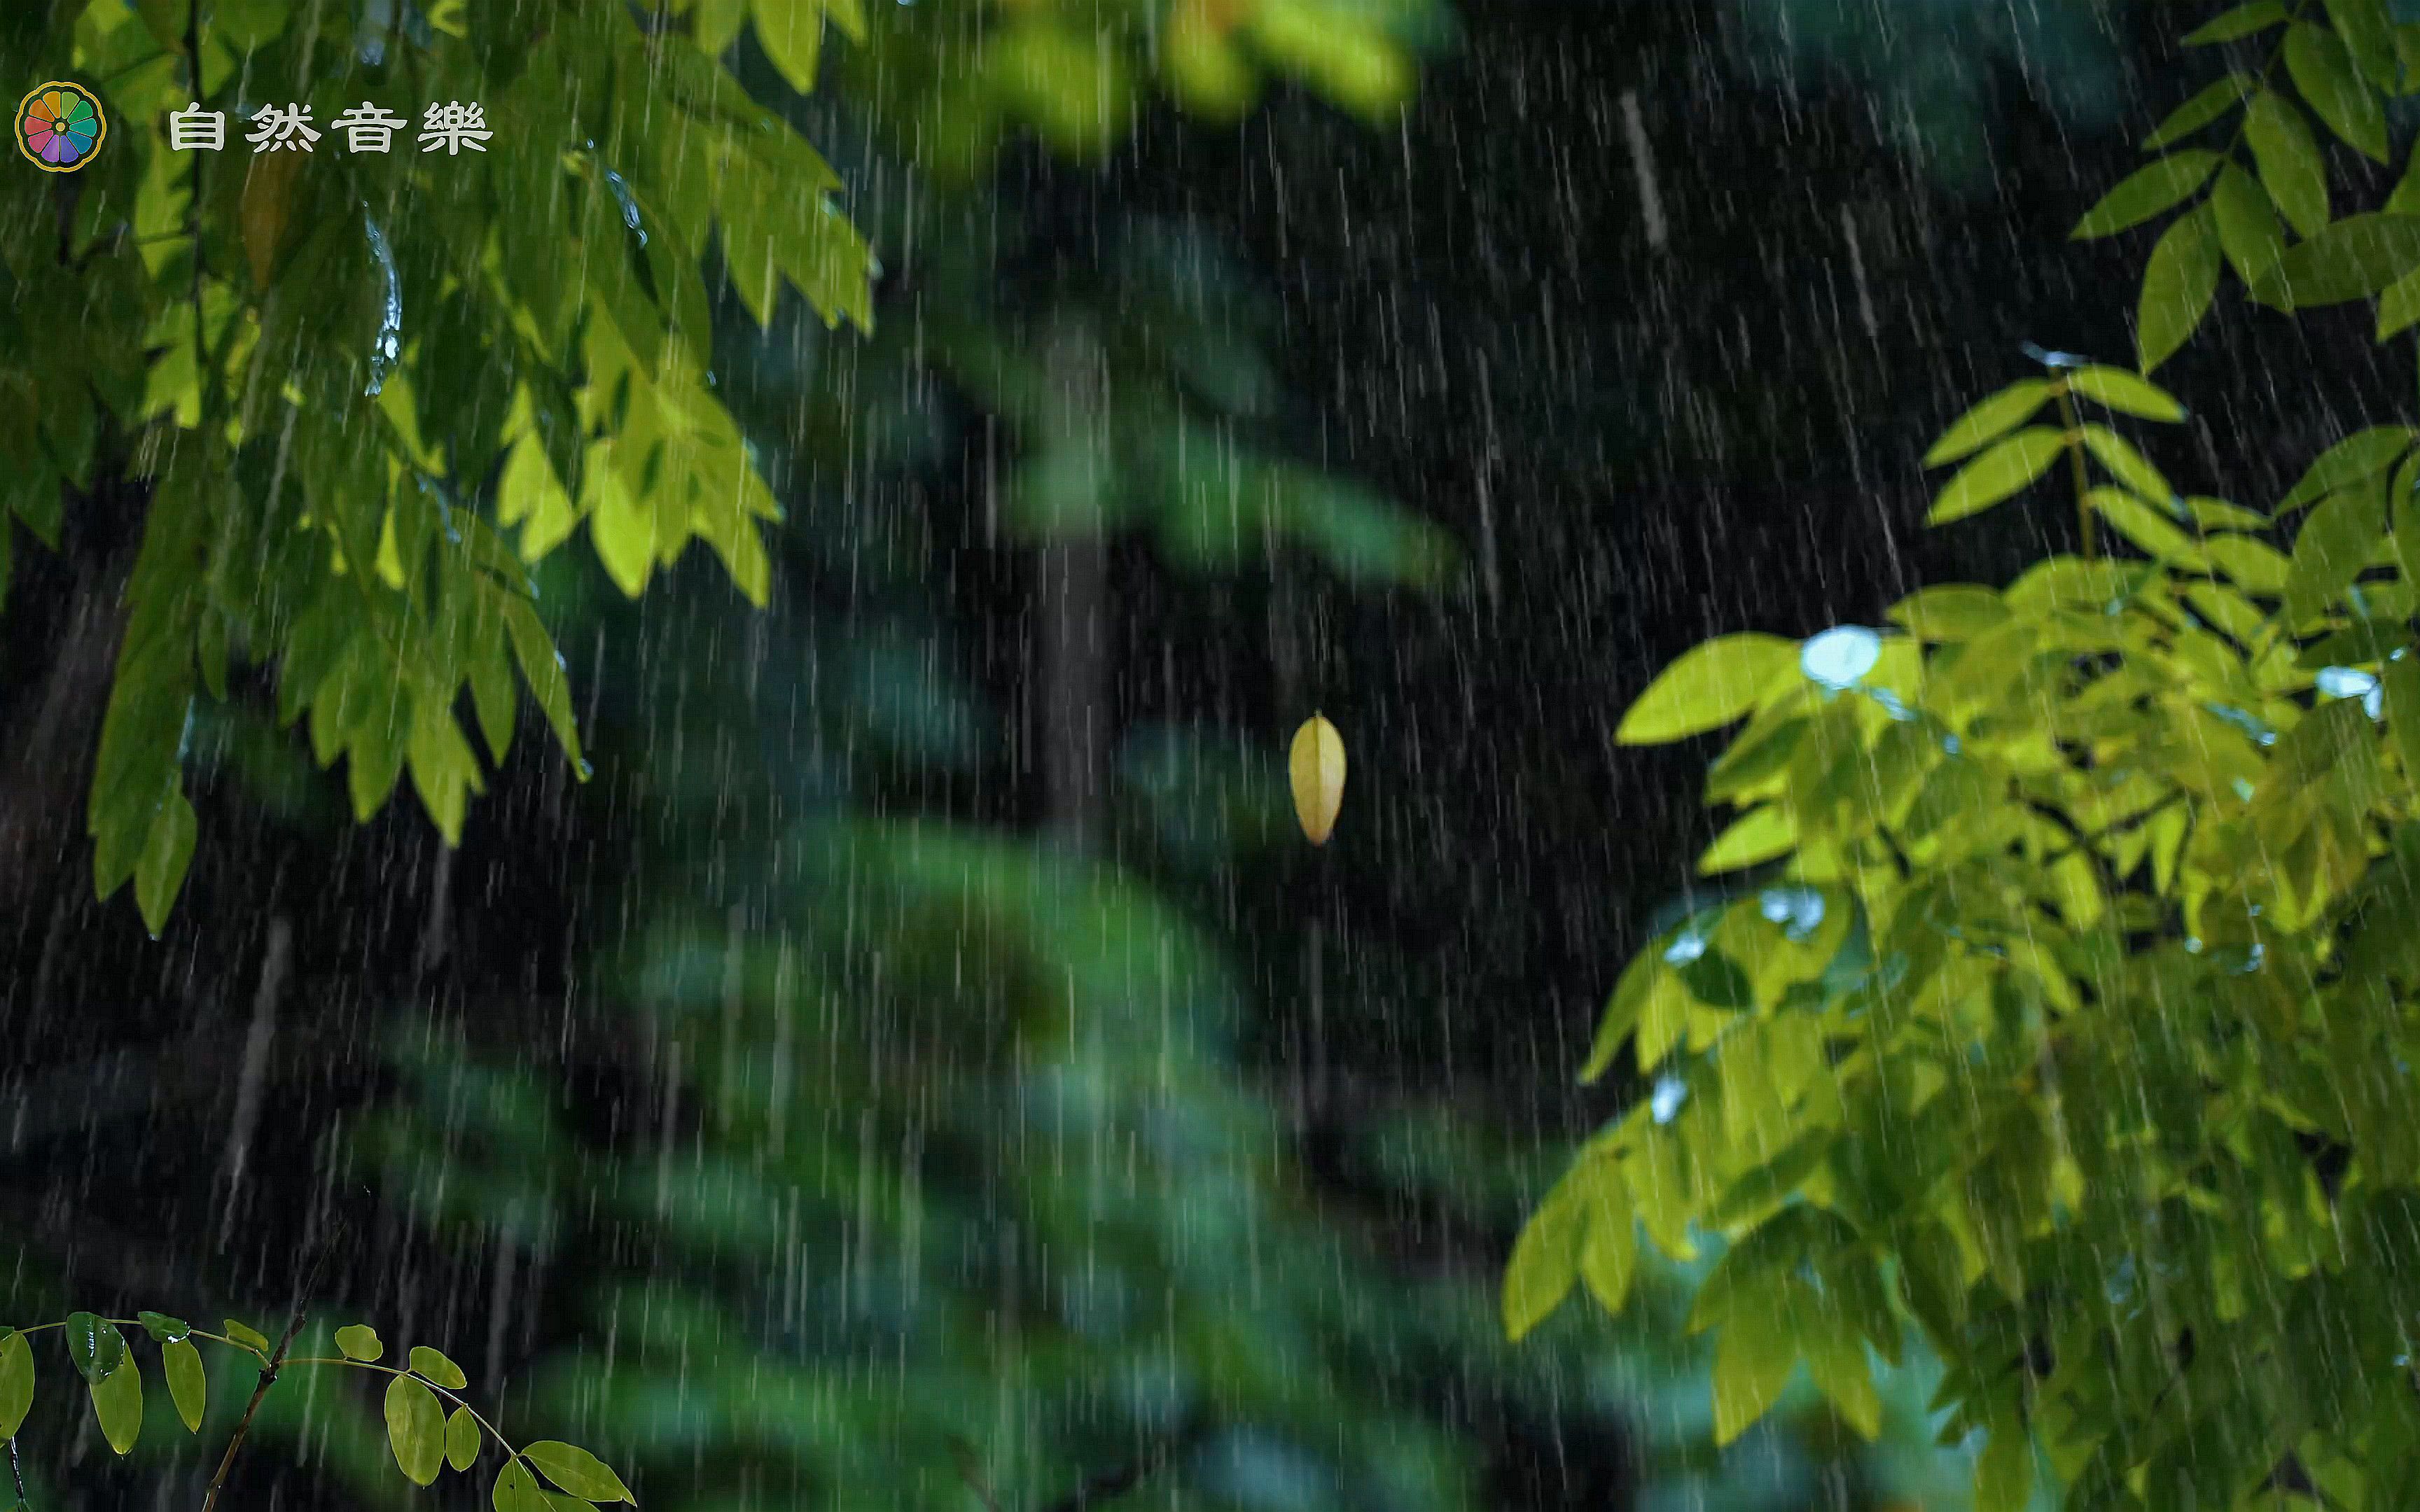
{"points": [[2236, 25], [1545, 1261], [1990, 420], [1998, 473], [518, 1490], [2289, 162], [415, 1429], [118, 1404], [15, 1383], [2323, 70], [95, 1345], [577, 1470], [462, 1438], [189, 1385], [2198, 112], [2126, 392], [241, 1334], [2352, 259], [359, 1341], [1709, 687], [167, 851], [2146, 192], [2360, 456], [437, 1368], [162, 1327], [2178, 284], [2248, 231], [1315, 770]]}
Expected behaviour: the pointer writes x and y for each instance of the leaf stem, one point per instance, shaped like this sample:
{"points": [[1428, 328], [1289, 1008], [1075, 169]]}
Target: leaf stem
{"points": [[2076, 458], [16, 1471], [243, 1425]]}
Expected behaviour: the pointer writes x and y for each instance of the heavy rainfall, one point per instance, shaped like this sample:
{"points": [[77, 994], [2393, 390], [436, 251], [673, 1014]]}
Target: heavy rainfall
{"points": [[1218, 755]]}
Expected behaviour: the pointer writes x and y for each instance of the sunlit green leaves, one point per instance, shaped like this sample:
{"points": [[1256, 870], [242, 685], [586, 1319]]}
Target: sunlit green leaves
{"points": [[1708, 687], [2001, 471], [2360, 456]]}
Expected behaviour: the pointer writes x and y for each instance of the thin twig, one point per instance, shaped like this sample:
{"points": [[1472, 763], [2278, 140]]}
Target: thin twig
{"points": [[16, 1471], [269, 1371]]}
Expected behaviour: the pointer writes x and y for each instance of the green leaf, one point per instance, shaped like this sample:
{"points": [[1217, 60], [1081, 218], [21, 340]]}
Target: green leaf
{"points": [[95, 1345], [1950, 613], [438, 1369], [2358, 458], [2178, 283], [577, 1470], [2323, 70], [462, 1438], [1990, 420], [2248, 230], [162, 1327], [2368, 30], [2237, 24], [359, 1341], [2198, 112], [1752, 1364], [1622, 1011], [2146, 527], [167, 851], [189, 1385], [2130, 394], [2127, 465], [415, 1429], [2402, 681], [2398, 306], [1610, 1252], [2290, 166], [2146, 192], [1755, 837], [1999, 472], [2334, 545], [1709, 685], [2004, 1472], [243, 1335], [1545, 1259], [1836, 1358], [1716, 980], [2352, 259], [15, 1383], [518, 1490], [118, 1403], [542, 668], [791, 32]]}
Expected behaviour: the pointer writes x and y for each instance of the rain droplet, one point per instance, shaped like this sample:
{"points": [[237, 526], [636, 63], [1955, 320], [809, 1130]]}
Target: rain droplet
{"points": [[1839, 656]]}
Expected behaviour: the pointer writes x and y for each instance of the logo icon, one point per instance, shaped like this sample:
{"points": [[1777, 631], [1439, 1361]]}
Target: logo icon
{"points": [[60, 125]]}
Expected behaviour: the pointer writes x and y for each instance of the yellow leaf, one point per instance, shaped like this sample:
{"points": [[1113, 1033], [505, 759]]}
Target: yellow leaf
{"points": [[1316, 765]]}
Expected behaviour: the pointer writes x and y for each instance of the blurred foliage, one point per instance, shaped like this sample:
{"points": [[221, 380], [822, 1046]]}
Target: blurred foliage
{"points": [[1935, 70], [2071, 1018]]}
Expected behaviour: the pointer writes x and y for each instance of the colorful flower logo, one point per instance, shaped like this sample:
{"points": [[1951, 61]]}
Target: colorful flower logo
{"points": [[60, 125]]}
